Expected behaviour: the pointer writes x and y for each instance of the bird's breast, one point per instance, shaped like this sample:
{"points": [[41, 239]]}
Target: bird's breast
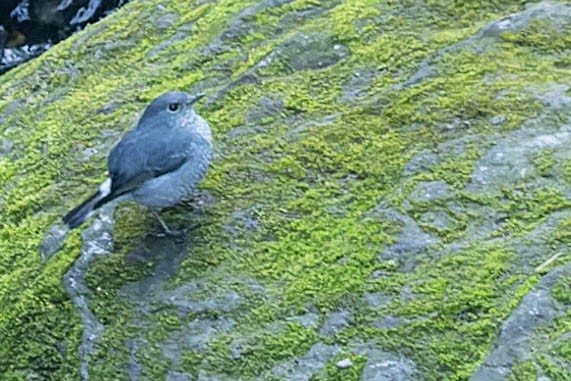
{"points": [[173, 187]]}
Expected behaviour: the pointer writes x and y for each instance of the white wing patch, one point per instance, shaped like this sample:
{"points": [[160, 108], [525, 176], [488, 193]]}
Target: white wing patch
{"points": [[105, 188]]}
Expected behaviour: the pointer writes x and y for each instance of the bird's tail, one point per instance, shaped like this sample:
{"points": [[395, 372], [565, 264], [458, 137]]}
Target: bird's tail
{"points": [[83, 211]]}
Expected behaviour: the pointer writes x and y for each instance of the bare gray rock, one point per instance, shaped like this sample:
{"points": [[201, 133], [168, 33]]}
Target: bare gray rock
{"points": [[521, 336], [335, 322], [313, 51], [309, 365], [344, 364], [385, 366], [430, 191]]}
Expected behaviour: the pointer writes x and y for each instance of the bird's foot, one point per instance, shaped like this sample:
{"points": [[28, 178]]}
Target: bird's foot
{"points": [[170, 233], [167, 232]]}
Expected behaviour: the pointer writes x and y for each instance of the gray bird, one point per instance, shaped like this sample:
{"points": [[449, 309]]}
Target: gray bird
{"points": [[159, 162]]}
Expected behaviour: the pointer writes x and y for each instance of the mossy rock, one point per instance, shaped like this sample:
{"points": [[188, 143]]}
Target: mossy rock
{"points": [[390, 190]]}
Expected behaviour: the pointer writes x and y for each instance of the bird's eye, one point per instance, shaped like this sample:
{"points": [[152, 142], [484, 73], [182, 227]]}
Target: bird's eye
{"points": [[174, 107]]}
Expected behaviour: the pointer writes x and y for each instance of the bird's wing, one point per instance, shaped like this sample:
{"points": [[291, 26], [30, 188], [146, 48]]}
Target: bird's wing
{"points": [[143, 155]]}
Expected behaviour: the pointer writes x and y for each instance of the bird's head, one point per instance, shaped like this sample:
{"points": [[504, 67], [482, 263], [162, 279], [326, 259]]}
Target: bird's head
{"points": [[172, 109]]}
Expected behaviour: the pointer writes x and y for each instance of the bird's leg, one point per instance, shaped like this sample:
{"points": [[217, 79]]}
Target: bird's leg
{"points": [[166, 229]]}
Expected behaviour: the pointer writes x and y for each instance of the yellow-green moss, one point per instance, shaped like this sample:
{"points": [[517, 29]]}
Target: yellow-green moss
{"points": [[312, 188]]}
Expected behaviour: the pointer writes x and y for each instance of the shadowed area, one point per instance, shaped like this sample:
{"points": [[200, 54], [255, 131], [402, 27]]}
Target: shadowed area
{"points": [[30, 27]]}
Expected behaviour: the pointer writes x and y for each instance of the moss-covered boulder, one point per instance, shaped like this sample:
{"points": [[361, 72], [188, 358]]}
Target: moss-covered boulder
{"points": [[389, 200]]}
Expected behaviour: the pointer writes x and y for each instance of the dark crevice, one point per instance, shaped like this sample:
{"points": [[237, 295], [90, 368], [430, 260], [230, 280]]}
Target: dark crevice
{"points": [[30, 27]]}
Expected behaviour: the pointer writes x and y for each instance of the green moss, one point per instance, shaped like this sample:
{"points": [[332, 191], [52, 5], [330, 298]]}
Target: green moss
{"points": [[562, 233], [191, 361], [553, 370], [525, 370], [527, 209], [291, 341], [296, 192], [561, 292], [566, 171], [461, 313], [544, 162], [541, 36], [563, 349]]}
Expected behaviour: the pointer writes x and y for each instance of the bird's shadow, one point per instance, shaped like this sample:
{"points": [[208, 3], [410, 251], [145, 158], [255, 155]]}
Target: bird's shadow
{"points": [[183, 220]]}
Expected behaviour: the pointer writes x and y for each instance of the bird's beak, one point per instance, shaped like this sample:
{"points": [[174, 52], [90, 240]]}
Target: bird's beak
{"points": [[196, 98]]}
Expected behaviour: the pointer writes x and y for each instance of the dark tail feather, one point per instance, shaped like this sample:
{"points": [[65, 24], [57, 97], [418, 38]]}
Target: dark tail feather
{"points": [[104, 200], [80, 213]]}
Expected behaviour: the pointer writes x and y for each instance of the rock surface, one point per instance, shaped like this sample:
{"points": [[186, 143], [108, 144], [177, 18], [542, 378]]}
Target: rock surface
{"points": [[390, 197]]}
